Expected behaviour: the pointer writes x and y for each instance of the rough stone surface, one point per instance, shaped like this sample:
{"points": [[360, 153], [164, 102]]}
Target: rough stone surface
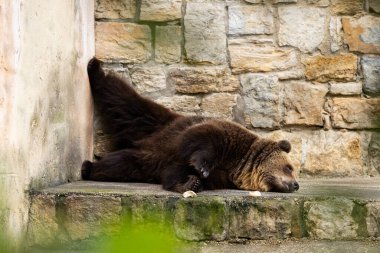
{"points": [[260, 220], [355, 113], [261, 94], [205, 37], [188, 105], [89, 216], [303, 103], [193, 80], [160, 10], [201, 219], [374, 6], [339, 67], [246, 56], [347, 7], [250, 19], [335, 33], [330, 219], [373, 219], [168, 44], [220, 105], [371, 73], [149, 78], [43, 224], [126, 42], [374, 153], [301, 27], [352, 88], [313, 151], [113, 9], [362, 34]]}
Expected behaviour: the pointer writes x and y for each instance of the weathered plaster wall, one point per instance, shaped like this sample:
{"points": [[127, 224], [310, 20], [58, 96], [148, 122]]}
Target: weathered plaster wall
{"points": [[304, 70], [45, 102]]}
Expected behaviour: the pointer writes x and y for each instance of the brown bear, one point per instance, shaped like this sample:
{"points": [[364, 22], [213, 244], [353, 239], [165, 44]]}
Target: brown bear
{"points": [[152, 144]]}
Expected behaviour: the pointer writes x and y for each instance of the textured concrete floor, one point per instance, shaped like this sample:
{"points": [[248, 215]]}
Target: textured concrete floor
{"points": [[362, 188], [269, 246]]}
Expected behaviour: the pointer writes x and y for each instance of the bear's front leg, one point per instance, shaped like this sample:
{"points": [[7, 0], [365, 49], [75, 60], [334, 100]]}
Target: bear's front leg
{"points": [[179, 181]]}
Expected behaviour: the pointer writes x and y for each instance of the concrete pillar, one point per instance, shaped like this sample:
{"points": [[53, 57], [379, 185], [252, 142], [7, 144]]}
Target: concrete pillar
{"points": [[45, 101]]}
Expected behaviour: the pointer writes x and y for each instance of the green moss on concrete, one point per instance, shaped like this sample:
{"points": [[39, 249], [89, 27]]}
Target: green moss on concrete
{"points": [[201, 218]]}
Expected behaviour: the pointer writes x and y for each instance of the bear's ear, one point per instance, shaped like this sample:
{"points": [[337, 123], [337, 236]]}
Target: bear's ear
{"points": [[285, 145]]}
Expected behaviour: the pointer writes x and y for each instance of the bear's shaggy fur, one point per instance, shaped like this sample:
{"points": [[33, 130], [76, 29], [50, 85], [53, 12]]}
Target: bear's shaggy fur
{"points": [[153, 144]]}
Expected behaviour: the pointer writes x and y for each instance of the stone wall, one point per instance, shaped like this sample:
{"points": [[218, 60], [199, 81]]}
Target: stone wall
{"points": [[304, 70], [45, 101]]}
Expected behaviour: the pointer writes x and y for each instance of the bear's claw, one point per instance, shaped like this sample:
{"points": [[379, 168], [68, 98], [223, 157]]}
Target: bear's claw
{"points": [[193, 184]]}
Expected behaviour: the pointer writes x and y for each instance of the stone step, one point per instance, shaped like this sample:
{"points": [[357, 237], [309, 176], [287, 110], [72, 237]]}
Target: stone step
{"points": [[83, 212]]}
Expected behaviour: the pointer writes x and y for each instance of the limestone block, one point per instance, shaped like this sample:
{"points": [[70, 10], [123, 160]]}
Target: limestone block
{"points": [[187, 105], [352, 88], [250, 19], [201, 219], [347, 7], [148, 78], [355, 113], [261, 94], [335, 33], [330, 219], [194, 80], [205, 33], [371, 73], [220, 105], [168, 44], [374, 6], [301, 27], [246, 56], [360, 34], [313, 151], [339, 67], [43, 225], [374, 154], [92, 216], [373, 219], [160, 10], [123, 9], [319, 3], [303, 103], [260, 219], [125, 42]]}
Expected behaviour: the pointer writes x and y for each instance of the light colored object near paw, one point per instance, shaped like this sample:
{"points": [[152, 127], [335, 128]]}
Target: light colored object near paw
{"points": [[189, 194], [255, 194]]}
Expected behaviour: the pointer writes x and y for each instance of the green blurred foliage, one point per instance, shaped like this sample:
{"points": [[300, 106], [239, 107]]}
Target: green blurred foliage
{"points": [[150, 236]]}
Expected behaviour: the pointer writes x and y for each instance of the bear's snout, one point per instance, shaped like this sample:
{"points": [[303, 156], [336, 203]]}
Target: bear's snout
{"points": [[293, 186]]}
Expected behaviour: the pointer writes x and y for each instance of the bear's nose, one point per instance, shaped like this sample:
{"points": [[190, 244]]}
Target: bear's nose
{"points": [[296, 186]]}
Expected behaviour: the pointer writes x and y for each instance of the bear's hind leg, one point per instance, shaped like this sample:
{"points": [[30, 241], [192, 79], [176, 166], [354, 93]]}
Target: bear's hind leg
{"points": [[119, 166]]}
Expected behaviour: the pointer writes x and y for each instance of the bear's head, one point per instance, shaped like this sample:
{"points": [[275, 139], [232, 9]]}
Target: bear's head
{"points": [[269, 169]]}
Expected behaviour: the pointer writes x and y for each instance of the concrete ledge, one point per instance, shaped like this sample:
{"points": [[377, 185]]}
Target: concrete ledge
{"points": [[334, 209]]}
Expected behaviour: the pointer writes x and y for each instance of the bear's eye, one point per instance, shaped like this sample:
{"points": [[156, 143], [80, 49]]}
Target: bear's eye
{"points": [[288, 169]]}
